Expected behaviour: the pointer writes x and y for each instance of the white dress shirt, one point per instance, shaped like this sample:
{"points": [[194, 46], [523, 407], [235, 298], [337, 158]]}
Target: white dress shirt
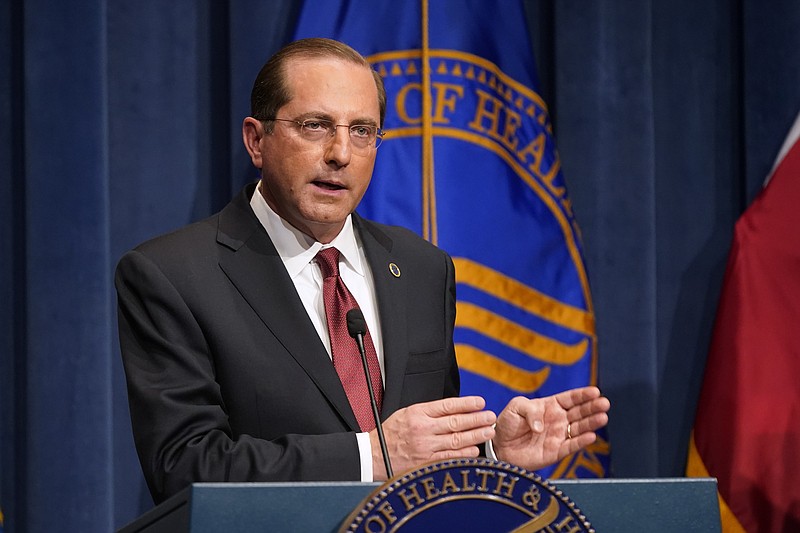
{"points": [[297, 251]]}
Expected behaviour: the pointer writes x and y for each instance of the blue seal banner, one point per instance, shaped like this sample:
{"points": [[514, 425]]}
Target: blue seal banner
{"points": [[469, 162], [467, 495]]}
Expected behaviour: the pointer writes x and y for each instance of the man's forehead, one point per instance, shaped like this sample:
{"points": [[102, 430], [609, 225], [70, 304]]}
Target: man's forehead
{"points": [[330, 78], [301, 65]]}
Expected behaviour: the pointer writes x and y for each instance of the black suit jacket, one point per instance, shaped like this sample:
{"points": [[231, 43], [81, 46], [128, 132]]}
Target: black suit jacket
{"points": [[227, 377]]}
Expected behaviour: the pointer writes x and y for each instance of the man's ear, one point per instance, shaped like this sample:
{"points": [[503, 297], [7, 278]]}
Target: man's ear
{"points": [[252, 133]]}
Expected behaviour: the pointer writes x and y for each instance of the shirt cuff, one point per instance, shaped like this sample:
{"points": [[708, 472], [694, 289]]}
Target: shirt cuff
{"points": [[490, 453], [365, 456]]}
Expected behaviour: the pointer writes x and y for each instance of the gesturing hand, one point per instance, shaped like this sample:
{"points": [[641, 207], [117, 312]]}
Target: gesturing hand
{"points": [[533, 433], [433, 431]]}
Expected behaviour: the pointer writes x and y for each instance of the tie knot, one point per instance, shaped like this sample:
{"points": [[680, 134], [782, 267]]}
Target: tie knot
{"points": [[328, 260]]}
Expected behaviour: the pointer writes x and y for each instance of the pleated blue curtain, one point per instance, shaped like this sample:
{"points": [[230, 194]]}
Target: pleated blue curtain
{"points": [[668, 118], [56, 426], [121, 120], [649, 128]]}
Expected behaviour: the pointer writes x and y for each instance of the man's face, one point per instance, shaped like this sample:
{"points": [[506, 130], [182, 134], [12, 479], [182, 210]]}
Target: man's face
{"points": [[315, 185]]}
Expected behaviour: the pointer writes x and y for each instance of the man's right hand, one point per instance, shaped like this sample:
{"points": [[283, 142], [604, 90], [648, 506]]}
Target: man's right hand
{"points": [[433, 431]]}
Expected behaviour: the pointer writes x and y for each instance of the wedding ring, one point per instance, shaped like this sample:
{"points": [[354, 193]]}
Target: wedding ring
{"points": [[569, 431]]}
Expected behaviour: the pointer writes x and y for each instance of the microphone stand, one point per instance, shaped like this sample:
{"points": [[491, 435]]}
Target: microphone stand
{"points": [[356, 327]]}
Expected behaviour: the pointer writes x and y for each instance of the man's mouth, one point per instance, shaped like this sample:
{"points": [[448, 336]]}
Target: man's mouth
{"points": [[329, 185]]}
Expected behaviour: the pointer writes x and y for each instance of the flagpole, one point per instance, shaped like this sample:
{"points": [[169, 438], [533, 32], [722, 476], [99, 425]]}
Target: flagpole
{"points": [[428, 184]]}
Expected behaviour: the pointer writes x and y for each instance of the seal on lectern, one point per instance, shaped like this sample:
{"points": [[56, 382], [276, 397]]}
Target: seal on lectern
{"points": [[466, 495]]}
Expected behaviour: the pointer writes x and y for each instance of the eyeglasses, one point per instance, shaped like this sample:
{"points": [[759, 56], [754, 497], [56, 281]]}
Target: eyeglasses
{"points": [[362, 136]]}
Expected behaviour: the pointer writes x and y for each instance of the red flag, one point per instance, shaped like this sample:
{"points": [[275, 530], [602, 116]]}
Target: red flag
{"points": [[747, 429]]}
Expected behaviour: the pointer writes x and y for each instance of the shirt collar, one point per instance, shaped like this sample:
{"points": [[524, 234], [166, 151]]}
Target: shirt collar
{"points": [[297, 249]]}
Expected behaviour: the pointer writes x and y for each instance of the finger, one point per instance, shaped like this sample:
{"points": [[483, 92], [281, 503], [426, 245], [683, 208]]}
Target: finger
{"points": [[469, 452], [450, 424], [573, 397], [527, 407], [589, 408], [522, 410], [578, 443], [592, 423], [588, 425], [462, 439], [455, 405]]}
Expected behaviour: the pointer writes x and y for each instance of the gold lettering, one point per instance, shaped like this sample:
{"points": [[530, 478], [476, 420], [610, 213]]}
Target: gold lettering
{"points": [[532, 497], [548, 178], [372, 521], [407, 498], [567, 525], [484, 475], [493, 110], [430, 489], [400, 103], [465, 486], [513, 122], [388, 512], [503, 484], [445, 97], [535, 149], [449, 485], [488, 108]]}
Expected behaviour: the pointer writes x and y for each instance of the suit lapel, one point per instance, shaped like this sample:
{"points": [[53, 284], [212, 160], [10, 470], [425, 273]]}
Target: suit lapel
{"points": [[257, 272], [391, 293]]}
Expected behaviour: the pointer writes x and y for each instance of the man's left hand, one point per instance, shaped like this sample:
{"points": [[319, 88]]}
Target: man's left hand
{"points": [[534, 433]]}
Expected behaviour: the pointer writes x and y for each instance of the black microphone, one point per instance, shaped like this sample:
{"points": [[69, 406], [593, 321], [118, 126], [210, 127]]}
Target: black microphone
{"points": [[357, 328]]}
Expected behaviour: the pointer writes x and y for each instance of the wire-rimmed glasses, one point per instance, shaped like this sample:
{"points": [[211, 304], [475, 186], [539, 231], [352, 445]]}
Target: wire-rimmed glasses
{"points": [[362, 136]]}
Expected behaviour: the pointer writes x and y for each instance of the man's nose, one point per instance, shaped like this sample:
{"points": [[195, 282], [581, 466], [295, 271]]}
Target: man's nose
{"points": [[338, 149]]}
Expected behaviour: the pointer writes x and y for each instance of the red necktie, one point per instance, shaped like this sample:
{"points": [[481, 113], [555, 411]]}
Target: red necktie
{"points": [[346, 359]]}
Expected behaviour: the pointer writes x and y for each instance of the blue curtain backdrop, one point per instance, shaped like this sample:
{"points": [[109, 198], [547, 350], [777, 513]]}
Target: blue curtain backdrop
{"points": [[120, 120]]}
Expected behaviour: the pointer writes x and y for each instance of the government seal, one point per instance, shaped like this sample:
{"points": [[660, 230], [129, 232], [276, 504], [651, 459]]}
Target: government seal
{"points": [[467, 495]]}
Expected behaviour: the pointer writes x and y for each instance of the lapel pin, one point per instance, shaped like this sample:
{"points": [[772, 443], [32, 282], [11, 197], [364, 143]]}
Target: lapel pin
{"points": [[394, 269]]}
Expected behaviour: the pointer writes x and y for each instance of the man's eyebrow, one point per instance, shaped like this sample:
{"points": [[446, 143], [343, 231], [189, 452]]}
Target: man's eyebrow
{"points": [[319, 115], [311, 115], [366, 122]]}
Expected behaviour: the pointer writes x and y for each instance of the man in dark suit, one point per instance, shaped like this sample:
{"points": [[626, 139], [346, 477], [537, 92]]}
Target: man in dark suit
{"points": [[225, 337]]}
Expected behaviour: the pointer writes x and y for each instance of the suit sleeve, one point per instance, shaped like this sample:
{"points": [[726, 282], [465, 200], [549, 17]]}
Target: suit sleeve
{"points": [[453, 384], [180, 422]]}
